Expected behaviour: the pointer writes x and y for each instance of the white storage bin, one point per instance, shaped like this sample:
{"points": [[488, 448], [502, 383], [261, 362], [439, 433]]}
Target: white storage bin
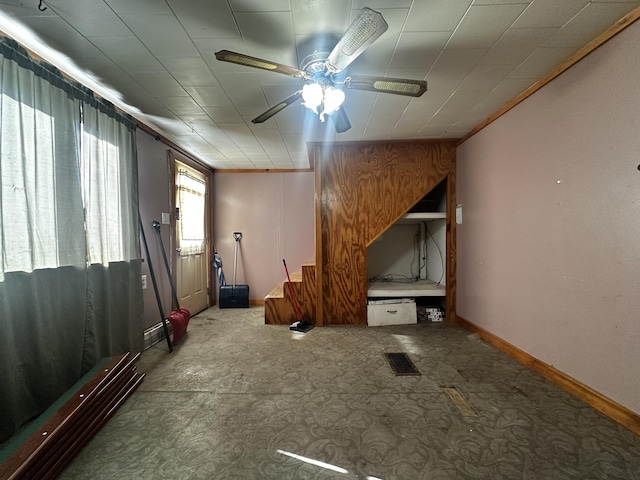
{"points": [[397, 311]]}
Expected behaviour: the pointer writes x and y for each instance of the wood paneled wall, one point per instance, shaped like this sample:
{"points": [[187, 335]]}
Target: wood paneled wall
{"points": [[361, 190]]}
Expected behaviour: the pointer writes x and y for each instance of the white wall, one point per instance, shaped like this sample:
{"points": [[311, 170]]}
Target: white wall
{"points": [[548, 254], [396, 252], [275, 213]]}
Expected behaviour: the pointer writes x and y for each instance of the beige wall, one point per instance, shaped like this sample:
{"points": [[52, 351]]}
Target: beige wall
{"points": [[549, 248], [275, 213]]}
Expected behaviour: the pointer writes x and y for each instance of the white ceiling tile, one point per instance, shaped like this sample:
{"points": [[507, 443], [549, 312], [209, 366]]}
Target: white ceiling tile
{"points": [[479, 83], [189, 70], [457, 63], [224, 114], [269, 30], [436, 15], [139, 7], [129, 53], [159, 84], [208, 95], [276, 93], [260, 5], [502, 94], [379, 4], [176, 127], [243, 90], [541, 62], [416, 115], [230, 150], [549, 13], [386, 112], [595, 17], [293, 119], [239, 133], [418, 49], [205, 19], [25, 9], [182, 105], [500, 2], [320, 16], [272, 143], [295, 144], [483, 25], [59, 35], [90, 18], [517, 44], [152, 30], [204, 126]]}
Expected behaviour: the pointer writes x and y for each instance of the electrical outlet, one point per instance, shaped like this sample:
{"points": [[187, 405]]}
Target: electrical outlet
{"points": [[144, 282]]}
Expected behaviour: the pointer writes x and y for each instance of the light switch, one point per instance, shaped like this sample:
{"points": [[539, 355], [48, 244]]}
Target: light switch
{"points": [[165, 219], [459, 214]]}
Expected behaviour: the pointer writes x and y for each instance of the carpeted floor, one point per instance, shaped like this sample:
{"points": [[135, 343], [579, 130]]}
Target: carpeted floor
{"points": [[238, 399]]}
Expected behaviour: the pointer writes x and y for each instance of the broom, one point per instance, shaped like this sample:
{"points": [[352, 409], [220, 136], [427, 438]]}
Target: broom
{"points": [[300, 325]]}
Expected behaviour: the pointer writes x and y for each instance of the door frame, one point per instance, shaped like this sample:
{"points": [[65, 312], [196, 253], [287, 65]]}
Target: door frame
{"points": [[207, 172]]}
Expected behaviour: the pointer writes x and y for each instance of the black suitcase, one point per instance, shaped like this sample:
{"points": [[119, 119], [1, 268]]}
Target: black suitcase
{"points": [[234, 296]]}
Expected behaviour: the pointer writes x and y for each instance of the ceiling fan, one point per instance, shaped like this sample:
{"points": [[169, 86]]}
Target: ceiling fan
{"points": [[324, 73]]}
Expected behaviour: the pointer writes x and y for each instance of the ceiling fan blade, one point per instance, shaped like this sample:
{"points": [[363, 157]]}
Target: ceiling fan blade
{"points": [[248, 61], [278, 107], [341, 120], [397, 86], [364, 30]]}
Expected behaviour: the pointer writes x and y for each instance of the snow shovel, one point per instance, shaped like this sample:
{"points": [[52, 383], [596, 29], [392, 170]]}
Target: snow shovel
{"points": [[234, 296]]}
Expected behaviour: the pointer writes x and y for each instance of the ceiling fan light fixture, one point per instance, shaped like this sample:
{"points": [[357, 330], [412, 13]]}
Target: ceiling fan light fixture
{"points": [[312, 95], [333, 99]]}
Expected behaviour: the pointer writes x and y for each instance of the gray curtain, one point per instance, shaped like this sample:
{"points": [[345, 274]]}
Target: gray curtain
{"points": [[70, 291]]}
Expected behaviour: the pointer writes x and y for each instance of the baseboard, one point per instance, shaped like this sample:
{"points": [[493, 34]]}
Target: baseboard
{"points": [[256, 302], [604, 405]]}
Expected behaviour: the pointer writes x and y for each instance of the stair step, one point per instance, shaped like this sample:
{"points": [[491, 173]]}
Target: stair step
{"points": [[278, 303], [278, 290]]}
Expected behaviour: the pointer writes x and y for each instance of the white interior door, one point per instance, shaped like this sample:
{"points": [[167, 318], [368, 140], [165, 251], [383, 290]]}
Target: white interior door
{"points": [[192, 255]]}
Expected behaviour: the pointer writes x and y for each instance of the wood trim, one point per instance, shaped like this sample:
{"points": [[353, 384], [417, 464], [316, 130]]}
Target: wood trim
{"points": [[199, 164], [261, 170], [450, 288], [256, 302], [604, 405], [316, 160], [600, 40]]}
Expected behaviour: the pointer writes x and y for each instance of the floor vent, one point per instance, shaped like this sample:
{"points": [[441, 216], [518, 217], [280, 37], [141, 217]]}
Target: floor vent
{"points": [[462, 404], [401, 364]]}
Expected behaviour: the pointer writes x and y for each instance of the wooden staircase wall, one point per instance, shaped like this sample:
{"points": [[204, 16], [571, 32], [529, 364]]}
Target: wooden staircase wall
{"points": [[361, 190]]}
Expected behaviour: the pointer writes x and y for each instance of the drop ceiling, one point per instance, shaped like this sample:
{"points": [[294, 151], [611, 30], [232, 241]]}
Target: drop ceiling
{"points": [[155, 59]]}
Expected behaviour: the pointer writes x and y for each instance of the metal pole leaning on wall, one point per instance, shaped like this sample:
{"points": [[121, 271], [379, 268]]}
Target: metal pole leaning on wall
{"points": [[155, 286]]}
